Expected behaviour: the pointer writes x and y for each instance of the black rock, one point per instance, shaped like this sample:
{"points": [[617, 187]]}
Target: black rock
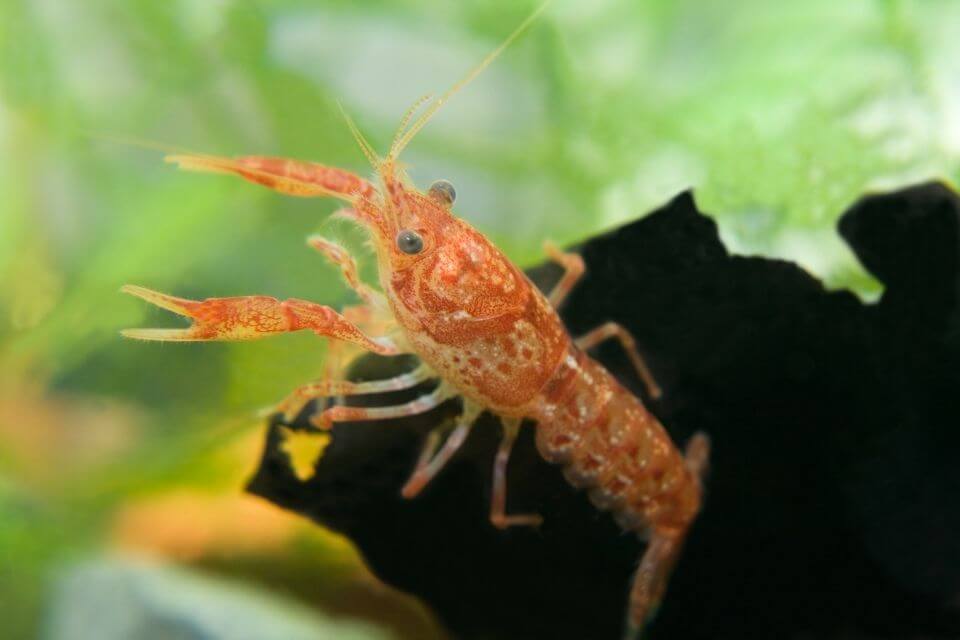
{"points": [[833, 505]]}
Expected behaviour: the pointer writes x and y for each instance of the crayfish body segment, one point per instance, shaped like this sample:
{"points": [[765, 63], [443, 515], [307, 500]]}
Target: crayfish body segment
{"points": [[477, 323]]}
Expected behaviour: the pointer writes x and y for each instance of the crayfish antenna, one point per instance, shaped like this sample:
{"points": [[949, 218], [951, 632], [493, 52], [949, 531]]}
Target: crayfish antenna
{"points": [[403, 138]]}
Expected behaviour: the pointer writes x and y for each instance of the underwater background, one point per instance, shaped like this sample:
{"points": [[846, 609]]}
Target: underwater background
{"points": [[122, 464]]}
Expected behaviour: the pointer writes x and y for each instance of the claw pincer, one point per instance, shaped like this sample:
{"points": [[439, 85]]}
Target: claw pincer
{"points": [[242, 318], [248, 318]]}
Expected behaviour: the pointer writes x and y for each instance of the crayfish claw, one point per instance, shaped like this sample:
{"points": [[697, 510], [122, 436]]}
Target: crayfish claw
{"points": [[161, 335], [202, 163], [179, 306]]}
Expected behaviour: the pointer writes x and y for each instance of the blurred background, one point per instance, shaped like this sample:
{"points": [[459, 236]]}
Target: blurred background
{"points": [[122, 463]]}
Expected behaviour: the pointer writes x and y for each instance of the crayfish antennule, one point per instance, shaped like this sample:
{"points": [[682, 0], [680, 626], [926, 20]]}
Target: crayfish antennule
{"points": [[365, 146], [422, 100]]}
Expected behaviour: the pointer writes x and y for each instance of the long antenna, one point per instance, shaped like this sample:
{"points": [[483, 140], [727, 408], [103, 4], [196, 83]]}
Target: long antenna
{"points": [[433, 107]]}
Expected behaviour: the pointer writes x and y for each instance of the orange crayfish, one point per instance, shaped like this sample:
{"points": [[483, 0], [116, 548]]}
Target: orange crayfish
{"points": [[475, 321]]}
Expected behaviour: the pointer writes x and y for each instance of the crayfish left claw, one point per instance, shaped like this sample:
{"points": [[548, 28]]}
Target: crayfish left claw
{"points": [[180, 306], [237, 318], [252, 317]]}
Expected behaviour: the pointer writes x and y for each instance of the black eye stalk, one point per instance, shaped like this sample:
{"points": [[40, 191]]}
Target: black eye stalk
{"points": [[409, 242], [443, 191]]}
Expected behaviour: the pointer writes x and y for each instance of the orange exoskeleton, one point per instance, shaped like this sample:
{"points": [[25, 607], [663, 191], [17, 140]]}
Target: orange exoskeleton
{"points": [[477, 324]]}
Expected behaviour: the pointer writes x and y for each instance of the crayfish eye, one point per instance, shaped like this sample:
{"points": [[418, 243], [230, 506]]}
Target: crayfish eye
{"points": [[409, 242], [443, 191]]}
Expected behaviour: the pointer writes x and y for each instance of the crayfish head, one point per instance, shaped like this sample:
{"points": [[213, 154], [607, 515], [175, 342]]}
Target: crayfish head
{"points": [[436, 266], [411, 224], [419, 240]]}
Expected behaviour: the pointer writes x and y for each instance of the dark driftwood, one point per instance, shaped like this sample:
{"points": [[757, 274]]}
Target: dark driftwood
{"points": [[833, 507]]}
